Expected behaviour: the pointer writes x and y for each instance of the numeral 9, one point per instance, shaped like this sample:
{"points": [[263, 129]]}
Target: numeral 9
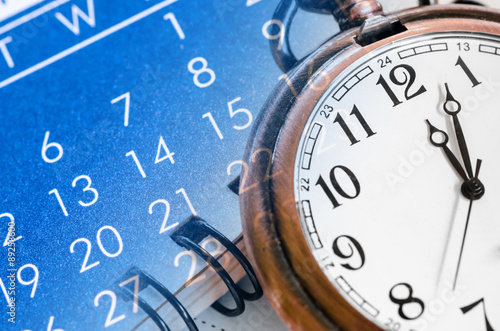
{"points": [[280, 34], [353, 246]]}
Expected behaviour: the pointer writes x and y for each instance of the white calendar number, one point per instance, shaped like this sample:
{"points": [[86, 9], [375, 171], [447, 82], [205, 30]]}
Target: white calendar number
{"points": [[33, 280], [87, 188], [279, 35], [86, 267], [186, 198], [162, 147], [214, 124], [244, 111], [46, 146], [252, 2], [232, 112], [164, 226], [217, 250], [162, 153], [118, 238], [109, 319], [61, 203], [213, 247], [175, 24], [4, 290], [134, 279], [11, 220], [137, 163], [203, 70], [51, 325], [192, 269], [125, 97]]}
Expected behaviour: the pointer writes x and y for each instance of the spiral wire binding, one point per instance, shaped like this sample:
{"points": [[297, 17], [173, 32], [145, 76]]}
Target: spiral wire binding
{"points": [[146, 280], [189, 234]]}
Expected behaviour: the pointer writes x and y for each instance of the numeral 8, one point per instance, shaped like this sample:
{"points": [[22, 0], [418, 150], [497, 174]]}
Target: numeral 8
{"points": [[408, 300], [197, 72]]}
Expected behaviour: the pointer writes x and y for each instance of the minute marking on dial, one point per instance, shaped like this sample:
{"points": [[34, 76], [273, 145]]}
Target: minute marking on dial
{"points": [[353, 81], [488, 49], [423, 49], [344, 285], [311, 143], [311, 227]]}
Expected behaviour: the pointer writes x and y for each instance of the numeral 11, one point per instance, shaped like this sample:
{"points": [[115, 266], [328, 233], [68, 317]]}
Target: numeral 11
{"points": [[355, 111]]}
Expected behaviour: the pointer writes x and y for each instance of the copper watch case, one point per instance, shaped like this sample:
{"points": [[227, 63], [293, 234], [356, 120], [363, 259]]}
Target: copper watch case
{"points": [[292, 280]]}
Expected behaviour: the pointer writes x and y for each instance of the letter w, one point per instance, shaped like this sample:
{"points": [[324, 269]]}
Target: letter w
{"points": [[77, 12]]}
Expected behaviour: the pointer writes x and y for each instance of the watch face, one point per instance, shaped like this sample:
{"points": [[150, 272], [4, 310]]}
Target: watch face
{"points": [[395, 183]]}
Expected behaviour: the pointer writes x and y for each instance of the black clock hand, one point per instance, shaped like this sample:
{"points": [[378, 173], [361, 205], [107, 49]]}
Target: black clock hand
{"points": [[475, 189], [434, 133], [452, 107]]}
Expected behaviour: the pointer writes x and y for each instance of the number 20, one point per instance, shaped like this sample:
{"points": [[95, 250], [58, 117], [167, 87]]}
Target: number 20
{"points": [[86, 267]]}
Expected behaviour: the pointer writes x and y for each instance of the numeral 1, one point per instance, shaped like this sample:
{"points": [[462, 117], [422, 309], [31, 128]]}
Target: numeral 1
{"points": [[136, 160], [214, 124], [361, 120], [468, 72], [61, 203], [321, 182], [390, 93], [175, 24], [181, 190]]}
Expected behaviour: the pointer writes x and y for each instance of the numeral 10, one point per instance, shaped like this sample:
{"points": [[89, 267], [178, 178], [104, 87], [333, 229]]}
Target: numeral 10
{"points": [[333, 180]]}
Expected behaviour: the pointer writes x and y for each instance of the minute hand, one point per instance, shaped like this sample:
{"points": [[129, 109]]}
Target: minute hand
{"points": [[462, 144]]}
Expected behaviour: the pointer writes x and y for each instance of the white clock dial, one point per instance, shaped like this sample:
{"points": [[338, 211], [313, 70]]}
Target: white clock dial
{"points": [[381, 206]]}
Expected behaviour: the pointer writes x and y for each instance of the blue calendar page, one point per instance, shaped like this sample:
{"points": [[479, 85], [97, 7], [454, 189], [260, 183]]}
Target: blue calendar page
{"points": [[118, 120]]}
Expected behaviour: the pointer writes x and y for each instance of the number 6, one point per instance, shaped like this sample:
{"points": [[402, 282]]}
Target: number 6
{"points": [[46, 146]]}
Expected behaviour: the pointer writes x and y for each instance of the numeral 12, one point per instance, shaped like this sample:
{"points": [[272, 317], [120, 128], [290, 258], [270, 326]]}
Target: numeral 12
{"points": [[409, 79]]}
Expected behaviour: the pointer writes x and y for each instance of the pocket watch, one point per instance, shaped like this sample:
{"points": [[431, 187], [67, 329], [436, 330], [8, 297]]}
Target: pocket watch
{"points": [[376, 207]]}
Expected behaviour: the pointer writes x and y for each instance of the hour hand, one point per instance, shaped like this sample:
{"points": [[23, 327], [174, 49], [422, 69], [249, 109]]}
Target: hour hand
{"points": [[439, 138]]}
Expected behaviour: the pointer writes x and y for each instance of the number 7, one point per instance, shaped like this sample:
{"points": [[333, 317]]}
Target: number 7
{"points": [[175, 24], [134, 279], [125, 96], [468, 308]]}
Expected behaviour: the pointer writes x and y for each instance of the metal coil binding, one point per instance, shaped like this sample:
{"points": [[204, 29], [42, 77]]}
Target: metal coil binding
{"points": [[188, 235]]}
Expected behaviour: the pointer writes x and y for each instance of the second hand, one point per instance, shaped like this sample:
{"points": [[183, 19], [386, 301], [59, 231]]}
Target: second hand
{"points": [[473, 189]]}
